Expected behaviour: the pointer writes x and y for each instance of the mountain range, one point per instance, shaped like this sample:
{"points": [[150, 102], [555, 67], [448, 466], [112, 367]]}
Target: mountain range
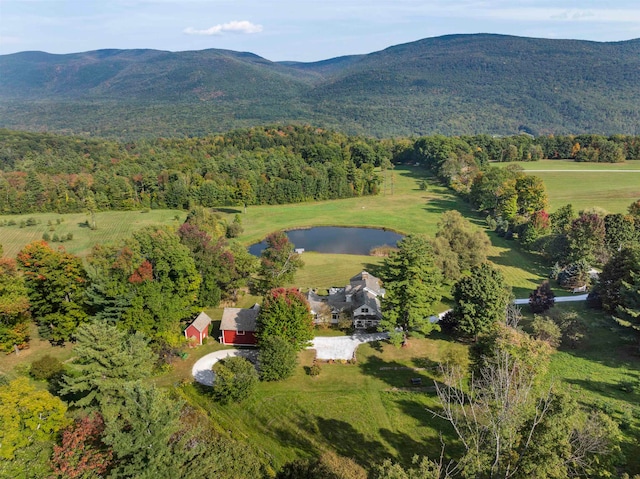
{"points": [[454, 84]]}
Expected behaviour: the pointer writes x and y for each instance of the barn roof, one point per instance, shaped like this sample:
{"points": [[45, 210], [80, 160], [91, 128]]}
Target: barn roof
{"points": [[202, 322], [239, 319]]}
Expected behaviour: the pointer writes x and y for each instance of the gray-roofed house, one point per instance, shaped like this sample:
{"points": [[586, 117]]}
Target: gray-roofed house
{"points": [[238, 326], [360, 300]]}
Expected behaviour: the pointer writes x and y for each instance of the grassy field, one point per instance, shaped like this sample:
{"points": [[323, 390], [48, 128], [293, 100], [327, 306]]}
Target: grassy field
{"points": [[111, 226], [366, 411], [408, 210], [610, 186]]}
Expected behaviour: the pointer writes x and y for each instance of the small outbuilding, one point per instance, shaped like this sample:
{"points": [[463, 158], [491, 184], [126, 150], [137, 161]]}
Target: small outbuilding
{"points": [[238, 326], [199, 329]]}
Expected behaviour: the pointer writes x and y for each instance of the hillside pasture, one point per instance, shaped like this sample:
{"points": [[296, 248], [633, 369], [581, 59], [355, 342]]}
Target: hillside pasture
{"points": [[112, 226], [611, 186]]}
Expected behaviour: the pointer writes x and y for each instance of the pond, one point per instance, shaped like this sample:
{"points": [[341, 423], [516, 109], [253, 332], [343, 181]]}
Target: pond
{"points": [[333, 239]]}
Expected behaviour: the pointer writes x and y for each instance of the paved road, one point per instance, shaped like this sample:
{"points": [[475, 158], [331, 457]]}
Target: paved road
{"points": [[559, 299]]}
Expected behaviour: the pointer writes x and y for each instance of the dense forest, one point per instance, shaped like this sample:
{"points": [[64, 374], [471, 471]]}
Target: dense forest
{"points": [[42, 172], [452, 85]]}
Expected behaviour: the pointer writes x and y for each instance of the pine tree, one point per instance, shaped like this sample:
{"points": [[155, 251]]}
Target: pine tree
{"points": [[106, 358], [412, 288]]}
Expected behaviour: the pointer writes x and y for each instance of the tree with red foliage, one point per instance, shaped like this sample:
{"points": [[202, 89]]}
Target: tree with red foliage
{"points": [[542, 298], [82, 453], [143, 273], [285, 313], [279, 262]]}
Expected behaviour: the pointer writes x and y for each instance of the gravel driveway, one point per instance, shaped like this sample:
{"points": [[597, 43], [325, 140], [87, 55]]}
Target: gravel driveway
{"points": [[201, 370], [342, 347]]}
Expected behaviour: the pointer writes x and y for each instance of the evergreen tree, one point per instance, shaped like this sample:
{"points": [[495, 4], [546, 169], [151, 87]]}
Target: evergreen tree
{"points": [[139, 430], [412, 288], [106, 359], [616, 271]]}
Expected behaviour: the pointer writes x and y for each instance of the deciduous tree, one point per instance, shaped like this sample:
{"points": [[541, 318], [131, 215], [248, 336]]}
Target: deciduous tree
{"points": [[285, 313], [278, 261], [81, 453], [469, 244], [235, 379], [480, 299], [27, 415], [14, 307]]}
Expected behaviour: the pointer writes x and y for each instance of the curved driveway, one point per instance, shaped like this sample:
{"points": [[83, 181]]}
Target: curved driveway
{"points": [[327, 347]]}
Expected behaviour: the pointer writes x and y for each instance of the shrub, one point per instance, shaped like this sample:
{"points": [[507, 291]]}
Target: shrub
{"points": [[235, 380], [542, 298], [31, 221], [277, 359], [546, 330], [46, 237], [315, 369], [69, 236], [46, 368]]}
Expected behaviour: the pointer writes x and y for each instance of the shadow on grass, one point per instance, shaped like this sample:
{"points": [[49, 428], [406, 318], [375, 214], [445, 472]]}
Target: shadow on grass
{"points": [[229, 211], [626, 390], [349, 442], [398, 375]]}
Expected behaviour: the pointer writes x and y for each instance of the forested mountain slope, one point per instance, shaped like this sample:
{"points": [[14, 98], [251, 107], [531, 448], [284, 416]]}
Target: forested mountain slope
{"points": [[456, 84]]}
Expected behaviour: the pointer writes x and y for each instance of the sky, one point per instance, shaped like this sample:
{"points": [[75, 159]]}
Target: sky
{"points": [[299, 30]]}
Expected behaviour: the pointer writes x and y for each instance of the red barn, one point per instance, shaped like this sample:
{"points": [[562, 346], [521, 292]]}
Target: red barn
{"points": [[199, 329], [238, 326]]}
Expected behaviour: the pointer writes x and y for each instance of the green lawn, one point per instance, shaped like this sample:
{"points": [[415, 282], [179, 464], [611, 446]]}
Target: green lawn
{"points": [[112, 226], [603, 372], [366, 411], [586, 185], [407, 210]]}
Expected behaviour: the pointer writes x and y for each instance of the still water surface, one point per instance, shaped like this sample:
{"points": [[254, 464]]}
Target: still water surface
{"points": [[333, 239]]}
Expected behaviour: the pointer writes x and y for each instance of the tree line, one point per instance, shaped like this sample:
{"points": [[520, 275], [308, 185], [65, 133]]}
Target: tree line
{"points": [[43, 172]]}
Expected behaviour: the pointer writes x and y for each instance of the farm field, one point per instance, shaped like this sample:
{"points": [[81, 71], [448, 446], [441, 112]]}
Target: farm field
{"points": [[112, 226], [610, 186]]}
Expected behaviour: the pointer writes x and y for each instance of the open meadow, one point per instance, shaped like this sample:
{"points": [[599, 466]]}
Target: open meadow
{"points": [[612, 186], [112, 226]]}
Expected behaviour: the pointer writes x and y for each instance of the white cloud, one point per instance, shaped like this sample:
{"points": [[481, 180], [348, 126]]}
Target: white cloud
{"points": [[235, 26]]}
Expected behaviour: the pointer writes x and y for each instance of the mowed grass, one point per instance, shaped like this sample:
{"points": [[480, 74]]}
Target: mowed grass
{"points": [[366, 411], [112, 226], [603, 372], [408, 210], [605, 185]]}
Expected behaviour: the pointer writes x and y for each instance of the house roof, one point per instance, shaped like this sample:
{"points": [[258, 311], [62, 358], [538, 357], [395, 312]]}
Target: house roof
{"points": [[202, 322], [368, 281], [239, 319]]}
